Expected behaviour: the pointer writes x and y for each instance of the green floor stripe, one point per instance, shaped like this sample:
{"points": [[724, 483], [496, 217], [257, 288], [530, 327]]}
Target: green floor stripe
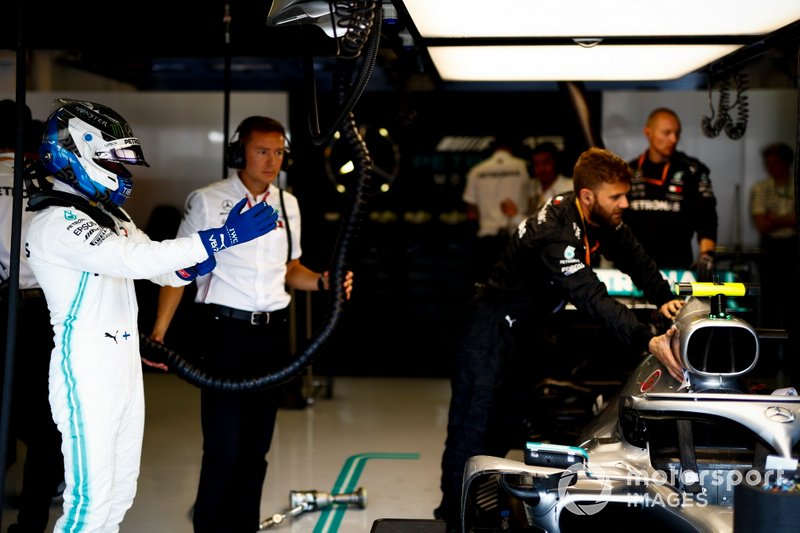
{"points": [[347, 481]]}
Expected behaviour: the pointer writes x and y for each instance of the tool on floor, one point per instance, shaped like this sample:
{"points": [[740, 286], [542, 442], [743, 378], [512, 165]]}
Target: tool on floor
{"points": [[301, 501]]}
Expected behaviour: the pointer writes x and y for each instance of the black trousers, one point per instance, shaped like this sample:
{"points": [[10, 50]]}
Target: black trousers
{"points": [[780, 287], [496, 364], [485, 253], [237, 426], [31, 418]]}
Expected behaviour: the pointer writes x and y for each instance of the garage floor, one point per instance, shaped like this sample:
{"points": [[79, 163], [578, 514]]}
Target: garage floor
{"points": [[384, 435]]}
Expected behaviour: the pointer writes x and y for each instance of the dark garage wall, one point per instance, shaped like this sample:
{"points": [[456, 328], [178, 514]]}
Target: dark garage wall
{"points": [[411, 257]]}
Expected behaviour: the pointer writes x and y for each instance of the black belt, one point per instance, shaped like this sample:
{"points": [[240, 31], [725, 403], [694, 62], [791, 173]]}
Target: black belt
{"points": [[255, 318], [29, 294]]}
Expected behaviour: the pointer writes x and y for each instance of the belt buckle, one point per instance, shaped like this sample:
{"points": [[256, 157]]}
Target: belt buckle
{"points": [[254, 318]]}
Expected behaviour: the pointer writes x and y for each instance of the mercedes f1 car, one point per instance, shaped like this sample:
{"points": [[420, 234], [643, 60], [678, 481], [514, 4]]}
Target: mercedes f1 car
{"points": [[706, 455]]}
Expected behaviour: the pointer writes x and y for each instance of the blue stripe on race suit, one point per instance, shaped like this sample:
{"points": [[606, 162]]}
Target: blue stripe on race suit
{"points": [[81, 500]]}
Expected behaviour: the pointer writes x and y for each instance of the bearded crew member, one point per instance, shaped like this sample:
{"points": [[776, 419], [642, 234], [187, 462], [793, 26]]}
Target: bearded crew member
{"points": [[547, 263]]}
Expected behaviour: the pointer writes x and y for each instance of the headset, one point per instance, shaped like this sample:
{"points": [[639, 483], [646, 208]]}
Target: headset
{"points": [[234, 154]]}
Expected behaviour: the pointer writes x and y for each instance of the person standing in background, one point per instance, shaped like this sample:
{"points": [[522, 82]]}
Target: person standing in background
{"points": [[547, 180], [497, 196], [772, 207], [242, 308], [31, 420], [671, 200]]}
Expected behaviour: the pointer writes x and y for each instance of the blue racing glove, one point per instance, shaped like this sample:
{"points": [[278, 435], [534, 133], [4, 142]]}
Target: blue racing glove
{"points": [[200, 269], [240, 227]]}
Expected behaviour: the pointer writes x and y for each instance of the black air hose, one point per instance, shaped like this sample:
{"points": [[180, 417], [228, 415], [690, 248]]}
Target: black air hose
{"points": [[350, 95]]}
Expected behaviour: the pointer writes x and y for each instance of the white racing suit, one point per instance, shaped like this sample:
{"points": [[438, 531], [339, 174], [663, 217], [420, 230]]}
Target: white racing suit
{"points": [[96, 390]]}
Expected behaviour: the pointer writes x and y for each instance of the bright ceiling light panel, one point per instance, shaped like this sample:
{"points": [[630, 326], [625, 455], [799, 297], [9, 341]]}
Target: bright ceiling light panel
{"points": [[590, 18], [573, 62]]}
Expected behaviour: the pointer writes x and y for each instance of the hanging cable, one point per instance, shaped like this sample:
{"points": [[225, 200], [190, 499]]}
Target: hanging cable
{"points": [[736, 130], [712, 126], [720, 120], [357, 18], [365, 31]]}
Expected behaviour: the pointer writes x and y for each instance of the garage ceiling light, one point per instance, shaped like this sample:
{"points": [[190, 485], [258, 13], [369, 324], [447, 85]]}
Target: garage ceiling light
{"points": [[590, 18], [573, 62]]}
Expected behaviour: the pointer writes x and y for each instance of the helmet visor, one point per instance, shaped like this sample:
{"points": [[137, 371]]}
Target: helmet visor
{"points": [[127, 150], [115, 168]]}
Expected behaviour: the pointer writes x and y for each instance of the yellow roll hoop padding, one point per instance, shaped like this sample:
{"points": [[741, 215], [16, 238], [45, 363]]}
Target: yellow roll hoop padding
{"points": [[698, 288]]}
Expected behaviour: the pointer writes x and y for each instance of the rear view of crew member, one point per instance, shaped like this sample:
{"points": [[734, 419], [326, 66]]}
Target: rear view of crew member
{"points": [[85, 251], [497, 195]]}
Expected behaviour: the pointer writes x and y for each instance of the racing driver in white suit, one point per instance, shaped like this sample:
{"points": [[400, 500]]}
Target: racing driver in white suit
{"points": [[85, 253]]}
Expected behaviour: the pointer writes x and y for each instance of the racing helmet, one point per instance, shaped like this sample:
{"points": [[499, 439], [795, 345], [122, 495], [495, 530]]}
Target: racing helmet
{"points": [[85, 145]]}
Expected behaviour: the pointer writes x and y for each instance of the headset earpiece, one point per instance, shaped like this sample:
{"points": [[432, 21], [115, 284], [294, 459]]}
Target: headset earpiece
{"points": [[235, 152], [287, 157]]}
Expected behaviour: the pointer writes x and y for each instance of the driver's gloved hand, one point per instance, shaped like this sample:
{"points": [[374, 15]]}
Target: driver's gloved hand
{"points": [[240, 227]]}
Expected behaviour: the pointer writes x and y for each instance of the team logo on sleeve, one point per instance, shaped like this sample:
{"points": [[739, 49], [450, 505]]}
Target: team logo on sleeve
{"points": [[522, 229], [541, 216], [570, 264]]}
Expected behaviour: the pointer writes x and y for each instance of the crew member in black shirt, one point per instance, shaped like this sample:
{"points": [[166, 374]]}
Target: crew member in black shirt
{"points": [[671, 199]]}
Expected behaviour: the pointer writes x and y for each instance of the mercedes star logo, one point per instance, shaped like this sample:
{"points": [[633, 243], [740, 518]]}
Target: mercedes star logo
{"points": [[776, 413]]}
